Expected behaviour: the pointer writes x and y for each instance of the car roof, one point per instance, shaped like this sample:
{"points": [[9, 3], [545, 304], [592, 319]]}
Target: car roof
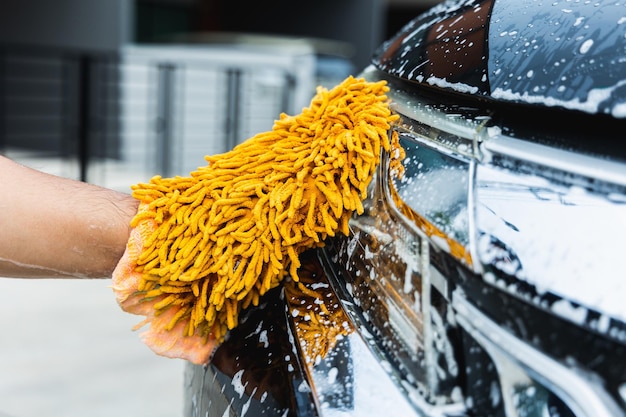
{"points": [[568, 54]]}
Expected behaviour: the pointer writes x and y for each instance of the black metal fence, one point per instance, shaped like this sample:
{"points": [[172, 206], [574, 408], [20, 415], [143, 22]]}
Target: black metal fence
{"points": [[144, 111]]}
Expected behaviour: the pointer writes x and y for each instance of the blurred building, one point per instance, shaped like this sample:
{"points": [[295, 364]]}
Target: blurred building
{"points": [[113, 92]]}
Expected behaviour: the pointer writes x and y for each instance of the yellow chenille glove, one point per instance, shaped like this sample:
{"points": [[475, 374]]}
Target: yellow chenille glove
{"points": [[204, 247]]}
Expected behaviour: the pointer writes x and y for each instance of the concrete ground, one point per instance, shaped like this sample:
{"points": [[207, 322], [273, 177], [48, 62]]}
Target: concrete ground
{"points": [[67, 350]]}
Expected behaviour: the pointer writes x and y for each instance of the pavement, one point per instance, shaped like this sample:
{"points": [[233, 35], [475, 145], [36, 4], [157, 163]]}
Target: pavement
{"points": [[68, 350]]}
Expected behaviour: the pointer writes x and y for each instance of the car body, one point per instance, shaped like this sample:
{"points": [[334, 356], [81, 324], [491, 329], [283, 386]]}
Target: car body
{"points": [[486, 278]]}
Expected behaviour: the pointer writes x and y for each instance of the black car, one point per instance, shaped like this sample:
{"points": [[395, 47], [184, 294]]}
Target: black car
{"points": [[487, 279]]}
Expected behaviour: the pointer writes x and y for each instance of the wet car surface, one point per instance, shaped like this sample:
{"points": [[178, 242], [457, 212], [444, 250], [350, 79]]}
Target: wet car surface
{"points": [[485, 276]]}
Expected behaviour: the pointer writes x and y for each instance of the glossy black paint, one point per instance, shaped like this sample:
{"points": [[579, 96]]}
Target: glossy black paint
{"points": [[527, 315], [567, 54], [254, 372], [510, 51]]}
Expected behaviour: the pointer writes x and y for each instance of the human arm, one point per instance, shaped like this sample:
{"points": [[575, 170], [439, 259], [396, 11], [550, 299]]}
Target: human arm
{"points": [[52, 226]]}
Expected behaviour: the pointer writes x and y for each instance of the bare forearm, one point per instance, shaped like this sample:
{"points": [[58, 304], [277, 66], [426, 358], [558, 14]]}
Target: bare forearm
{"points": [[58, 227]]}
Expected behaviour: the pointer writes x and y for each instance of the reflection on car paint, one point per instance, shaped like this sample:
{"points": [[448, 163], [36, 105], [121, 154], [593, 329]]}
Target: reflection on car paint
{"points": [[254, 372], [317, 314], [552, 54]]}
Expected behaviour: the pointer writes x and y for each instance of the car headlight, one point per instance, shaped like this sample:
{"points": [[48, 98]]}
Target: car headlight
{"points": [[421, 285]]}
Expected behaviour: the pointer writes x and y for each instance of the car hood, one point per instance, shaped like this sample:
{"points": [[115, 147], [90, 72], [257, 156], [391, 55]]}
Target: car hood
{"points": [[567, 54]]}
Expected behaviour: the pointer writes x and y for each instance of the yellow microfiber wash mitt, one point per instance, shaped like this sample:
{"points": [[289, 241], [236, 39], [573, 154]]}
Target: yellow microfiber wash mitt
{"points": [[204, 247]]}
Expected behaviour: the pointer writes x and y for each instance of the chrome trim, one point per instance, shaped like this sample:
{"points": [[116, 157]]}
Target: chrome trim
{"points": [[465, 123], [559, 159], [472, 227], [439, 281], [429, 346], [456, 146], [470, 248], [516, 360]]}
